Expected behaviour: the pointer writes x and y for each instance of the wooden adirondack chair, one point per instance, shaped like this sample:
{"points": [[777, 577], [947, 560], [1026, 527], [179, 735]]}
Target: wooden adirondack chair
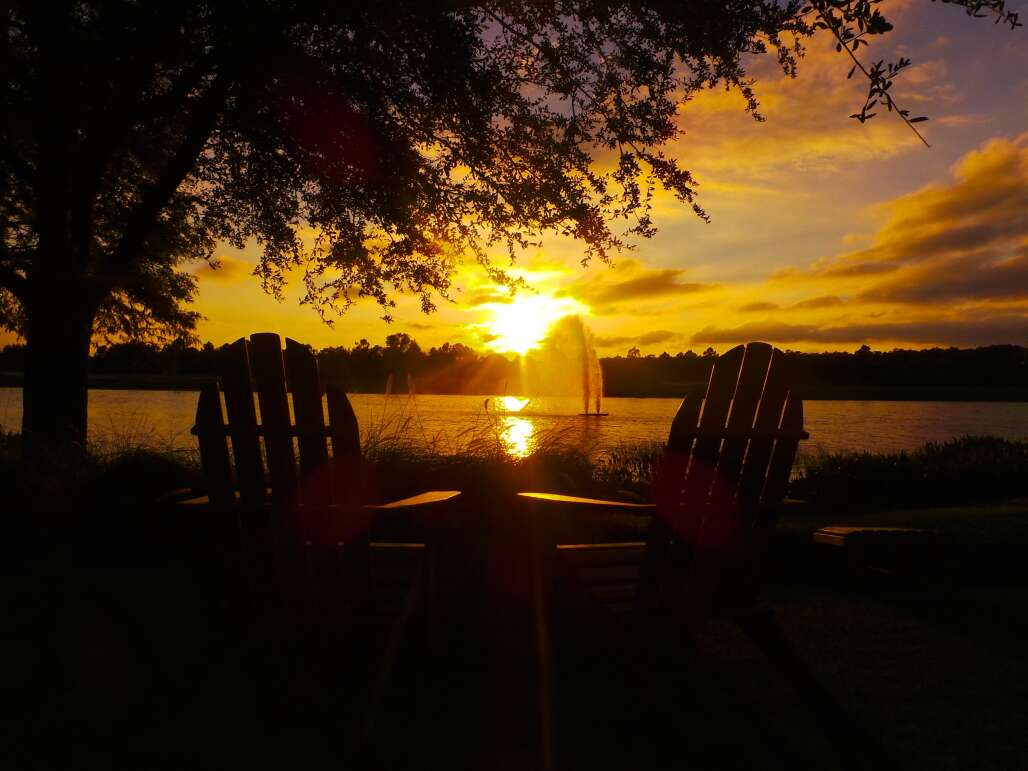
{"points": [[313, 512], [723, 478], [724, 473]]}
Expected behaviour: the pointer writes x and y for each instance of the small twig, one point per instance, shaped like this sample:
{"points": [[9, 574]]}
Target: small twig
{"points": [[890, 102]]}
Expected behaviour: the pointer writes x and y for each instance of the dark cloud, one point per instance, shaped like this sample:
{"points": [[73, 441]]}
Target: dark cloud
{"points": [[958, 278], [657, 283], [633, 281], [1011, 329], [486, 296], [858, 269], [648, 338], [825, 301], [223, 269]]}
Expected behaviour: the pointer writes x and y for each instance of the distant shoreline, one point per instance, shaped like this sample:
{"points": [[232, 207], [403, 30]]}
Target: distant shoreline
{"points": [[661, 391]]}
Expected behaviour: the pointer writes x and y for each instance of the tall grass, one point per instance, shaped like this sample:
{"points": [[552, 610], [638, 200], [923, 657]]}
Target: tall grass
{"points": [[402, 458], [964, 470], [121, 471]]}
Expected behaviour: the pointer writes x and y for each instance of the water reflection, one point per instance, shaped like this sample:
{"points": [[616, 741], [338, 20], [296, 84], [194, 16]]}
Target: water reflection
{"points": [[517, 436], [161, 420], [511, 403]]}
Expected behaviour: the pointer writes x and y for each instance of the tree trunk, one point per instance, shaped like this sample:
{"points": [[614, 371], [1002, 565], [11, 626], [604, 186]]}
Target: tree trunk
{"points": [[54, 394]]}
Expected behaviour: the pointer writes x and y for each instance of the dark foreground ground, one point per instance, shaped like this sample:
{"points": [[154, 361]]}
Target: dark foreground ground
{"points": [[123, 655]]}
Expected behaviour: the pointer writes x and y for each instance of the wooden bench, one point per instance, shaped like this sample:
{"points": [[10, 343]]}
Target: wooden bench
{"points": [[880, 550]]}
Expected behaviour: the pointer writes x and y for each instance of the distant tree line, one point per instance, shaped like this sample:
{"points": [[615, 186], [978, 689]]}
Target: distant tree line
{"points": [[1000, 369], [402, 365]]}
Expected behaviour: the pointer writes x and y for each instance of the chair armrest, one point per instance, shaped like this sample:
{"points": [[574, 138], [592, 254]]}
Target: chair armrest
{"points": [[183, 495], [432, 498], [600, 505], [195, 500]]}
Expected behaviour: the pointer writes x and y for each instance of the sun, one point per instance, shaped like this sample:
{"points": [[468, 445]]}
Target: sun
{"points": [[522, 324]]}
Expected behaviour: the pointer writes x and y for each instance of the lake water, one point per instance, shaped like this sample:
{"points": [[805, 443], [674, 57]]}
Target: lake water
{"points": [[162, 419]]}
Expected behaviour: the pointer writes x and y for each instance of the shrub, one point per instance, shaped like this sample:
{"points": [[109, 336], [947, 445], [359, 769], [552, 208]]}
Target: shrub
{"points": [[971, 468]]}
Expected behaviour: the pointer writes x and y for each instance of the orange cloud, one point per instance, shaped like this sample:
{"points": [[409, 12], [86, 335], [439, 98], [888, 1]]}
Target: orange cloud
{"points": [[964, 241], [825, 301], [630, 280], [647, 338], [1009, 328], [759, 306], [223, 269]]}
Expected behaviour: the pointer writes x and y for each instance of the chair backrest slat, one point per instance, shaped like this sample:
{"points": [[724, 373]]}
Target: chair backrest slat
{"points": [[213, 442], [748, 391], [769, 415], [784, 453], [260, 366], [742, 447], [238, 388], [683, 427], [716, 403], [346, 448], [269, 377], [302, 373]]}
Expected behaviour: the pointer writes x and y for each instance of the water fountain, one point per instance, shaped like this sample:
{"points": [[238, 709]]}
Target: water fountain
{"points": [[566, 365]]}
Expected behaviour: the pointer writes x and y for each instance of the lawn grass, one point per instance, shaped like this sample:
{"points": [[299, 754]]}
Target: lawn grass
{"points": [[134, 659], [997, 522]]}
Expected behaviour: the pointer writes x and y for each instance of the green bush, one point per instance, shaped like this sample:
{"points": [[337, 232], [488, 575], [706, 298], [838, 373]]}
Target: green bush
{"points": [[118, 474], [964, 470]]}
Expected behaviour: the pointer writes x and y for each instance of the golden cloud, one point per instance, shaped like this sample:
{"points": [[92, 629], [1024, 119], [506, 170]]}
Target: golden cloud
{"points": [[964, 241]]}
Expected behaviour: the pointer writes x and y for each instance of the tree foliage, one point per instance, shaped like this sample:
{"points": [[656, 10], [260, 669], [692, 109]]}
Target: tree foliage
{"points": [[367, 147]]}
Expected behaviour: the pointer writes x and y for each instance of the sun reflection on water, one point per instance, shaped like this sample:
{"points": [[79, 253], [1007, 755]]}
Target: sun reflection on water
{"points": [[511, 403], [517, 436]]}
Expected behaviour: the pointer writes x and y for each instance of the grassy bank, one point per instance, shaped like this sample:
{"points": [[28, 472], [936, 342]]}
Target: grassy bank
{"points": [[966, 470], [149, 658], [399, 462]]}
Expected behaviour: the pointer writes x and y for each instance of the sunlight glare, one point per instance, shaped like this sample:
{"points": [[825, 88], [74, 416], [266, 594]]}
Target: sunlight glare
{"points": [[511, 403], [517, 437], [521, 325]]}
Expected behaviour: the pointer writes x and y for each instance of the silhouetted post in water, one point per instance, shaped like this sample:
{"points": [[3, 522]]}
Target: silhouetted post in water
{"points": [[585, 383]]}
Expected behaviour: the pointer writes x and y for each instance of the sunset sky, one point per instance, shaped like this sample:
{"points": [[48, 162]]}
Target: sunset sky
{"points": [[825, 234]]}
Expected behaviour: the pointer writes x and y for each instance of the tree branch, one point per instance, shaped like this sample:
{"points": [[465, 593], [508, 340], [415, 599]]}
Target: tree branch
{"points": [[13, 282], [833, 25], [102, 141], [143, 220]]}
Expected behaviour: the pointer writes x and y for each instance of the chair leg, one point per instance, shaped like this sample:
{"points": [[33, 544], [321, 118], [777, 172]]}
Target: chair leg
{"points": [[384, 668], [856, 749]]}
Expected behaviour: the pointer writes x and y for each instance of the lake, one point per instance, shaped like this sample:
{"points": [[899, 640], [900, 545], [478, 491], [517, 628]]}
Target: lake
{"points": [[162, 419]]}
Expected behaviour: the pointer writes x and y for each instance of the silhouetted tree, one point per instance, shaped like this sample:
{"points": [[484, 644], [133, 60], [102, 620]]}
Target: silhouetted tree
{"points": [[138, 135]]}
